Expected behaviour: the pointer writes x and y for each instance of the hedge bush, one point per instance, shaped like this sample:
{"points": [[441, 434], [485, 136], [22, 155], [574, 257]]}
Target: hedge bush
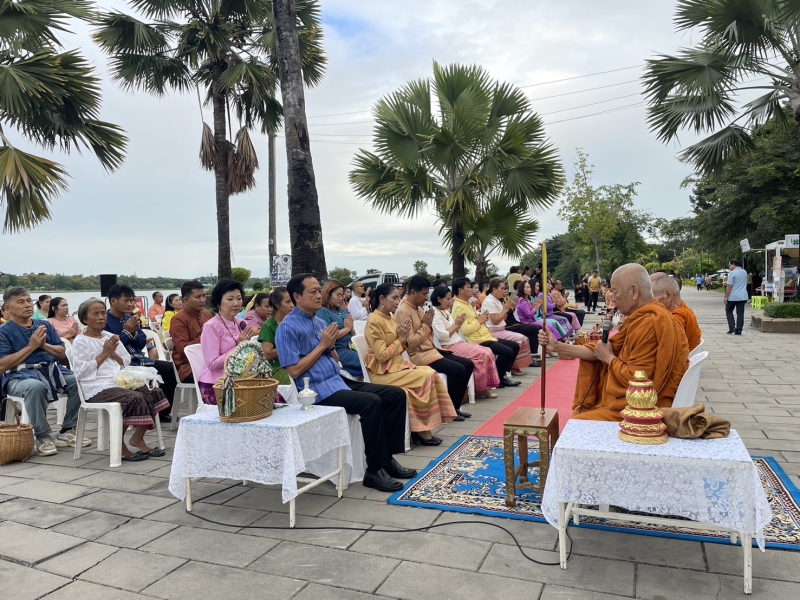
{"points": [[789, 310]]}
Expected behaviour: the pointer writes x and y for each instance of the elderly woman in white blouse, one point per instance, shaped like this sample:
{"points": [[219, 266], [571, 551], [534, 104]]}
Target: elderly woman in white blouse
{"points": [[445, 331], [97, 356]]}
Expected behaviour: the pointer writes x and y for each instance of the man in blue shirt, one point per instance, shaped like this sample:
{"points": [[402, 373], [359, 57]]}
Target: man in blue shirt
{"points": [[699, 280], [121, 322], [305, 349], [735, 296], [29, 351]]}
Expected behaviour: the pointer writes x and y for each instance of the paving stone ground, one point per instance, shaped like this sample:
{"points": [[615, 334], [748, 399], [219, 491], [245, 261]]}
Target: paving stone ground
{"points": [[78, 530]]}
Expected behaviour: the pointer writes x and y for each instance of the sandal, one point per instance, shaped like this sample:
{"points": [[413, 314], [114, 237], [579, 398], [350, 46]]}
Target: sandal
{"points": [[154, 452], [138, 457]]}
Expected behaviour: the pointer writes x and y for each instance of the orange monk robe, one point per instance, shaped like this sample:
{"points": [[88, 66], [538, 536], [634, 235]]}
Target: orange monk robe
{"points": [[649, 340], [685, 317]]}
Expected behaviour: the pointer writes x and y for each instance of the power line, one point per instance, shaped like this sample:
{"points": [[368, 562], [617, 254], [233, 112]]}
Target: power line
{"points": [[603, 112], [601, 87], [592, 104], [357, 112]]}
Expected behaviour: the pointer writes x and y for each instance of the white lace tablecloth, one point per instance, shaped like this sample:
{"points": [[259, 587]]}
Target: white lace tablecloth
{"points": [[710, 481], [270, 451]]}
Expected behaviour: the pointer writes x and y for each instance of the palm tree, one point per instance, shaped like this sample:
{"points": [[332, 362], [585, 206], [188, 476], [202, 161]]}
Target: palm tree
{"points": [[305, 223], [505, 227], [745, 45], [229, 49], [52, 99], [451, 143]]}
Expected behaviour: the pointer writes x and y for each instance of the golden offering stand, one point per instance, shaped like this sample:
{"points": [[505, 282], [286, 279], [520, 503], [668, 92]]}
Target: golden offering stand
{"points": [[642, 419]]}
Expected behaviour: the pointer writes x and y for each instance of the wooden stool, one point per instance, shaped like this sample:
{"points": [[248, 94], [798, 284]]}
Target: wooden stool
{"points": [[523, 423]]}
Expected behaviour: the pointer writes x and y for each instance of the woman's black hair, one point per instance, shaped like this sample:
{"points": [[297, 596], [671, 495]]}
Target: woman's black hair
{"points": [[41, 299], [170, 298], [383, 290], [54, 306], [222, 288], [260, 297], [276, 297], [438, 293], [520, 289], [494, 284]]}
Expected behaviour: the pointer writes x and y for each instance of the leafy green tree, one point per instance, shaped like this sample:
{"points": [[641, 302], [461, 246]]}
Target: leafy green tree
{"points": [[258, 285], [743, 45], [421, 268], [371, 271], [241, 275], [229, 48], [504, 228], [342, 275], [754, 196], [482, 141], [602, 217], [51, 97]]}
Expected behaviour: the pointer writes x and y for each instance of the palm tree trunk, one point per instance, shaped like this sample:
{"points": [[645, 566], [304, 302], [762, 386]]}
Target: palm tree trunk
{"points": [[481, 265], [221, 179], [305, 224], [459, 269], [273, 227]]}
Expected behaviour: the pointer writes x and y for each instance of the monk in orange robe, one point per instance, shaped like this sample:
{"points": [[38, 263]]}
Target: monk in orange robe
{"points": [[668, 293], [650, 340]]}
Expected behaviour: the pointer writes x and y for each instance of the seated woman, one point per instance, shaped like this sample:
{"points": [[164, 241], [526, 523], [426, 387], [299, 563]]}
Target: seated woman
{"points": [[445, 330], [42, 307], [66, 327], [429, 405], [529, 311], [97, 356], [174, 305], [221, 334], [333, 311], [563, 321], [498, 311], [281, 306], [259, 313]]}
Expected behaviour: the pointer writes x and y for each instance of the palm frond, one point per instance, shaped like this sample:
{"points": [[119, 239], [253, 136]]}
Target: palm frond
{"points": [[28, 184], [242, 164], [710, 154], [209, 158]]}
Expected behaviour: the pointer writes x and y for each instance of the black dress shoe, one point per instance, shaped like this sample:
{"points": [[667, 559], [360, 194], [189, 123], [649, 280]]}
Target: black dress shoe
{"points": [[381, 482], [506, 382], [458, 417], [536, 363], [418, 439], [398, 471], [461, 413]]}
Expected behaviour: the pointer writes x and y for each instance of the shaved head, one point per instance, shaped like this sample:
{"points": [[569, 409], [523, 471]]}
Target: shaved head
{"points": [[666, 290], [631, 288]]}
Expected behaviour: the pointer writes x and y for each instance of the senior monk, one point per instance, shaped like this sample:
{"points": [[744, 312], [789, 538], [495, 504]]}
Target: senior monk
{"points": [[667, 291], [650, 340]]}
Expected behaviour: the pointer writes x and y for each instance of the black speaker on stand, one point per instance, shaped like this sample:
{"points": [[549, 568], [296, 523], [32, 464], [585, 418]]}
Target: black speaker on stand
{"points": [[106, 283]]}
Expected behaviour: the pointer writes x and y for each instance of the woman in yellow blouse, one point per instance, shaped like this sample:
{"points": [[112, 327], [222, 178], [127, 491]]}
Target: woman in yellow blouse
{"points": [[429, 405], [174, 305]]}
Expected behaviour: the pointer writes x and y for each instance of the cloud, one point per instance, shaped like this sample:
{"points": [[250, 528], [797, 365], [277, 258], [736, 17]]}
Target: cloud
{"points": [[156, 215]]}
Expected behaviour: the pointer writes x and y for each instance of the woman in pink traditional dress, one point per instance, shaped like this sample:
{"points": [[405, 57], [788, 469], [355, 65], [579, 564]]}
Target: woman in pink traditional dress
{"points": [[445, 331]]}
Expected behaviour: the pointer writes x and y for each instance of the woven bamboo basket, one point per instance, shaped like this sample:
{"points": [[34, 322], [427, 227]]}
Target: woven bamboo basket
{"points": [[255, 399], [16, 441]]}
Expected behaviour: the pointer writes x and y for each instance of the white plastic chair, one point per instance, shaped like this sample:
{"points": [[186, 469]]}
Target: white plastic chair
{"points": [[152, 335], [109, 425], [687, 390], [182, 387], [194, 354], [360, 327], [696, 351], [362, 350]]}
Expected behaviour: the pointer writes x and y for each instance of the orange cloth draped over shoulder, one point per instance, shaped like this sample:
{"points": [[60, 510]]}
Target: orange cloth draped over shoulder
{"points": [[685, 317], [650, 340]]}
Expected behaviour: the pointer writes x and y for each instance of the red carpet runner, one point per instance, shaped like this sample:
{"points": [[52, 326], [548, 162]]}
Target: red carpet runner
{"points": [[560, 392]]}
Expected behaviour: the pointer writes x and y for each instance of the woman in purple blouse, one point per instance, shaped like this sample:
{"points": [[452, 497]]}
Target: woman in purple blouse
{"points": [[221, 334], [529, 311]]}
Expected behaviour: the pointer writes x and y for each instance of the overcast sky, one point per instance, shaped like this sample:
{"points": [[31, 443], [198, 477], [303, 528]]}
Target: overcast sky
{"points": [[156, 215]]}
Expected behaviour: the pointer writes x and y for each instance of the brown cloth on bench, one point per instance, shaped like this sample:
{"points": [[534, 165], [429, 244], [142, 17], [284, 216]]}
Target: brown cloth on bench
{"points": [[691, 423]]}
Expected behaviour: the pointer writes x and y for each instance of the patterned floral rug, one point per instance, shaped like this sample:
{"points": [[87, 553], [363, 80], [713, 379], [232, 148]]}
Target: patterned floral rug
{"points": [[470, 478]]}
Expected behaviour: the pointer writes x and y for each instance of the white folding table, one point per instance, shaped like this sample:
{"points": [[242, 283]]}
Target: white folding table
{"points": [[270, 451], [714, 483]]}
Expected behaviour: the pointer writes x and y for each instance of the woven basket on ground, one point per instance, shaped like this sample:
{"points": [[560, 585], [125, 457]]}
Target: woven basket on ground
{"points": [[16, 441], [255, 399]]}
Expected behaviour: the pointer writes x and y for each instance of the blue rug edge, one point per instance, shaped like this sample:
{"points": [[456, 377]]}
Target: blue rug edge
{"points": [[393, 499]]}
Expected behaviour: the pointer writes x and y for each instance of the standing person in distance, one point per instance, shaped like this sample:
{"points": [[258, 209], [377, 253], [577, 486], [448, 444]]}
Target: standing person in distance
{"points": [[735, 296], [595, 285]]}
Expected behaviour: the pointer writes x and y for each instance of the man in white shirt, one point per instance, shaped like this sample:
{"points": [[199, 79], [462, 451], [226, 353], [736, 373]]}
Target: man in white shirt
{"points": [[359, 303], [735, 296]]}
